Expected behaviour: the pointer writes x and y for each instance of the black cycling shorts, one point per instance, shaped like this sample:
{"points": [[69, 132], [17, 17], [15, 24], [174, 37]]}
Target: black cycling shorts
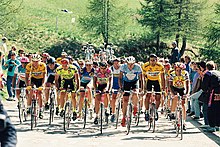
{"points": [[37, 82], [178, 90], [84, 85], [130, 86], [101, 87], [51, 79], [156, 85], [21, 84], [68, 84]]}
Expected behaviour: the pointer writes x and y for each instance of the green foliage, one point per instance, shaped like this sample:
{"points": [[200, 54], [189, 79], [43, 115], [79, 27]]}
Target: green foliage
{"points": [[212, 35]]}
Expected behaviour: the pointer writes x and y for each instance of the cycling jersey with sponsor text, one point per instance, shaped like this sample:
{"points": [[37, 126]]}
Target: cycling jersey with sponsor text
{"points": [[68, 73], [102, 78], [86, 76], [131, 75], [179, 81], [37, 73], [153, 72]]}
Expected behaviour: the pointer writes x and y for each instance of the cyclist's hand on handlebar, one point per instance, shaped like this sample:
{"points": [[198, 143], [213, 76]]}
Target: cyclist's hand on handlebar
{"points": [[40, 88]]}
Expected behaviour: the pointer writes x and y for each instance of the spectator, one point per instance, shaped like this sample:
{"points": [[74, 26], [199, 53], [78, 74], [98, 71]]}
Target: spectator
{"points": [[13, 49], [3, 46], [174, 53], [11, 65], [20, 54], [8, 136]]}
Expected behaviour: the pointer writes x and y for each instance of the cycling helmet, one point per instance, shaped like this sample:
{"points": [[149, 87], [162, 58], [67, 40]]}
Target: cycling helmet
{"points": [[179, 65], [24, 60], [63, 54], [65, 61], [153, 56], [167, 65], [36, 57], [102, 64], [51, 60], [45, 55], [130, 59], [88, 62]]}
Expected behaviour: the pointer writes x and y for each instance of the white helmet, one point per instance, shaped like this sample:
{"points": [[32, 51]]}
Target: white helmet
{"points": [[36, 57], [130, 59]]}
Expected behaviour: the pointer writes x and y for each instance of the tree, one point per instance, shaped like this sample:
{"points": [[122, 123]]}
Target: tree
{"points": [[100, 19], [186, 24], [155, 14], [212, 35]]}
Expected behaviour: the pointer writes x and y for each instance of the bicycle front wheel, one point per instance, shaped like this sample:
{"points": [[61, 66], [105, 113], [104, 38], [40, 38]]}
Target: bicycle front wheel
{"points": [[118, 113], [33, 114], [51, 111], [101, 118], [129, 115], [85, 112], [67, 117], [181, 124], [153, 114]]}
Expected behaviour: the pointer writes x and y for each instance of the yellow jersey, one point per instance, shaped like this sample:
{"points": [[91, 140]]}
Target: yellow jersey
{"points": [[37, 73], [152, 72], [67, 74], [179, 81]]}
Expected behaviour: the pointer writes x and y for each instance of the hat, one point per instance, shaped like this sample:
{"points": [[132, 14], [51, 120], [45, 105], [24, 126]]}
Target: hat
{"points": [[116, 59], [63, 54], [174, 42]]}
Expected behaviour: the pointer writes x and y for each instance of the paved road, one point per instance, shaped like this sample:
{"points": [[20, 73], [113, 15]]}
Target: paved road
{"points": [[54, 136]]}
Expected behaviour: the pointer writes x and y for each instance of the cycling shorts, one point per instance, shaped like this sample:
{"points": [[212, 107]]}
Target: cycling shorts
{"points": [[21, 84], [130, 86], [68, 84], [101, 87], [178, 90], [156, 85], [84, 84], [37, 82]]}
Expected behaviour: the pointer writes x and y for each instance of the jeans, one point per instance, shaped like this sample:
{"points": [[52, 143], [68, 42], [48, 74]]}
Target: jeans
{"points": [[195, 103], [9, 83], [205, 113]]}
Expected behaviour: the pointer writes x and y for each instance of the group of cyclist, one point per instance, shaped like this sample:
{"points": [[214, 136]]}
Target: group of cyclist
{"points": [[98, 79]]}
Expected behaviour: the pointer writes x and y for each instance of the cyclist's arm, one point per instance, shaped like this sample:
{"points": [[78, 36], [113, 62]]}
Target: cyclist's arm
{"points": [[27, 79], [109, 84], [57, 80], [120, 80], [187, 87], [44, 77], [162, 80], [94, 82], [141, 81], [77, 80]]}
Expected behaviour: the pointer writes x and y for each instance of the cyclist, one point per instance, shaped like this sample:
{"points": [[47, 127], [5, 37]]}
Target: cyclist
{"points": [[115, 69], [35, 75], [63, 55], [45, 57], [130, 75], [51, 70], [69, 80], [102, 81], [86, 75], [179, 80], [20, 72], [154, 76]]}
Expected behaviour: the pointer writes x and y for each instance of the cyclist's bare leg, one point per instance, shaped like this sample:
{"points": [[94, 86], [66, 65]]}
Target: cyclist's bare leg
{"points": [[18, 92], [62, 96], [147, 101], [135, 99], [82, 94], [157, 97], [47, 90], [113, 101], [174, 104], [29, 98], [184, 109], [124, 105], [97, 103], [89, 97], [106, 99], [40, 101], [73, 96]]}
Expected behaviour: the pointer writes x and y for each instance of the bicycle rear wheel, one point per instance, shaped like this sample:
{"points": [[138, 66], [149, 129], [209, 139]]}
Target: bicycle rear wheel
{"points": [[85, 113], [129, 116], [117, 113], [67, 116]]}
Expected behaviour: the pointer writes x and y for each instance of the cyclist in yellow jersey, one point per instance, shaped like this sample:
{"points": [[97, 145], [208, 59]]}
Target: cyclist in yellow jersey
{"points": [[154, 75], [179, 80], [69, 80], [35, 75]]}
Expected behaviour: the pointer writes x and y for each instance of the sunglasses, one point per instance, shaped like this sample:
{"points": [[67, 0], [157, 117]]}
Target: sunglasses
{"points": [[102, 67], [152, 60], [88, 65]]}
